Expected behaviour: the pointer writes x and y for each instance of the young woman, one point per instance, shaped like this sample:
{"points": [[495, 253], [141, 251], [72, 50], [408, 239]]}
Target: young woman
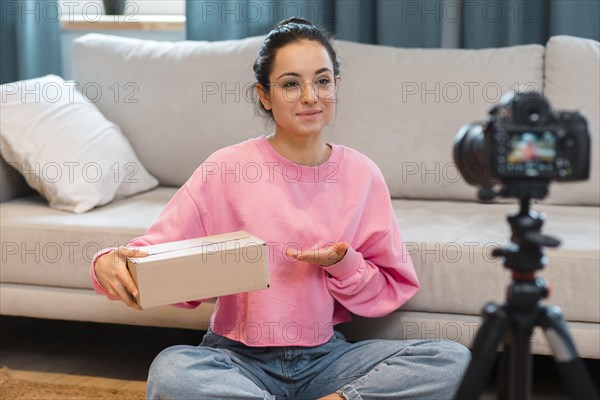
{"points": [[334, 248]]}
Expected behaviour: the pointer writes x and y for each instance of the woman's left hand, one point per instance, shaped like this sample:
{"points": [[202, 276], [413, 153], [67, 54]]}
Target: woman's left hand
{"points": [[324, 257]]}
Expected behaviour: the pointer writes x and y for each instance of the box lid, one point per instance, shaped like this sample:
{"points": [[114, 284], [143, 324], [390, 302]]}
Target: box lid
{"points": [[201, 245]]}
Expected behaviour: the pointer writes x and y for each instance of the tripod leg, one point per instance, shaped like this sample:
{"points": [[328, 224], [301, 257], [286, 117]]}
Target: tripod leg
{"points": [[572, 371], [514, 369], [519, 382], [491, 332], [503, 378]]}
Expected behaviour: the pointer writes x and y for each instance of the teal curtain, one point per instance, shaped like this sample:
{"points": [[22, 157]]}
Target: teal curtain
{"points": [[389, 22], [235, 19], [29, 39], [403, 23], [493, 23]]}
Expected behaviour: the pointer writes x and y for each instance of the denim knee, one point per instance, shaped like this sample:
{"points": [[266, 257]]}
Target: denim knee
{"points": [[452, 360], [197, 372], [458, 359], [163, 374]]}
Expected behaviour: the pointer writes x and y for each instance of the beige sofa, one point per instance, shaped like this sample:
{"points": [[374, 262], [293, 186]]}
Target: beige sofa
{"points": [[401, 107]]}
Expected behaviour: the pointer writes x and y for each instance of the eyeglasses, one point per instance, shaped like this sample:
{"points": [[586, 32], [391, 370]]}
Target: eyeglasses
{"points": [[292, 87]]}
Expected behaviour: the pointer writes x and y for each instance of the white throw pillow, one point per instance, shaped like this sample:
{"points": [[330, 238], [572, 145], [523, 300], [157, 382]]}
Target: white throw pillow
{"points": [[65, 148]]}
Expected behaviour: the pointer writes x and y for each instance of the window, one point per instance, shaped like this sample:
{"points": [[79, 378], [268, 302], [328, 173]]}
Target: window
{"points": [[92, 9]]}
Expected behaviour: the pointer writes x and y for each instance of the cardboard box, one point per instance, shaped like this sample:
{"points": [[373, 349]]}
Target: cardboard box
{"points": [[200, 268]]}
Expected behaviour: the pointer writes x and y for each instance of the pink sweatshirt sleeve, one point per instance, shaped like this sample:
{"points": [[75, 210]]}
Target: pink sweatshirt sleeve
{"points": [[378, 277], [181, 219], [376, 282]]}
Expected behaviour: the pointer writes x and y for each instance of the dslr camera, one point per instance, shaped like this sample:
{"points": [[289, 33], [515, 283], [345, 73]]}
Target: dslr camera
{"points": [[523, 145]]}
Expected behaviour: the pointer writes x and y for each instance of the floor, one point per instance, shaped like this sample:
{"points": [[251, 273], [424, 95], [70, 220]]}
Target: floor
{"points": [[118, 356], [103, 355]]}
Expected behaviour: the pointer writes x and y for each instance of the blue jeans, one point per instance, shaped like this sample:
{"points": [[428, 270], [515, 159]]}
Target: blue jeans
{"points": [[221, 368]]}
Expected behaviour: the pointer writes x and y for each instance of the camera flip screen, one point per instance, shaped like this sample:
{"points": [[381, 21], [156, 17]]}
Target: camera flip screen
{"points": [[527, 147], [527, 154]]}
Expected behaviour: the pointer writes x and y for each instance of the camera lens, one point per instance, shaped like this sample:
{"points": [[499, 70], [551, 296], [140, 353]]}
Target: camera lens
{"points": [[470, 155]]}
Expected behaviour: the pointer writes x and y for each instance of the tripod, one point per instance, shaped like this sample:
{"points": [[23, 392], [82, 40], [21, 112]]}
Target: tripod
{"points": [[512, 323]]}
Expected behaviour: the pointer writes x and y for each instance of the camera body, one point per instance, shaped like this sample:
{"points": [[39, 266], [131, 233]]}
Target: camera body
{"points": [[524, 141]]}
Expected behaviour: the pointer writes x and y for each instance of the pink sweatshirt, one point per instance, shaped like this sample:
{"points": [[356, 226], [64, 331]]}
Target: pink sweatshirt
{"points": [[250, 186]]}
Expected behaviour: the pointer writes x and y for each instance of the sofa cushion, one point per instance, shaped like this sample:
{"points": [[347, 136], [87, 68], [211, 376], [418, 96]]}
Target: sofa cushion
{"points": [[64, 146], [12, 183], [42, 246], [448, 242], [191, 102], [86, 305], [401, 107], [573, 83]]}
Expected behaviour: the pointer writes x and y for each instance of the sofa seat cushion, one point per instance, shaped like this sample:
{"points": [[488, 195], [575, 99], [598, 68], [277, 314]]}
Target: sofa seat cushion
{"points": [[42, 246], [449, 243]]}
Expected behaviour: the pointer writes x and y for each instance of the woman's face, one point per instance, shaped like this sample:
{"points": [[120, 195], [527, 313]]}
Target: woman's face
{"points": [[302, 93]]}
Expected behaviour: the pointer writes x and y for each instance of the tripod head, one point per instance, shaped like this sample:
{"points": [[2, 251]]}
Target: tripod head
{"points": [[525, 253]]}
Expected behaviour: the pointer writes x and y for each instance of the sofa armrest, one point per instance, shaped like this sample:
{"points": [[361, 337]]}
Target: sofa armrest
{"points": [[12, 184]]}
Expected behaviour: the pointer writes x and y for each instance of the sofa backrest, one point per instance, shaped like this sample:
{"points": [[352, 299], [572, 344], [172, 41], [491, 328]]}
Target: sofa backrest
{"points": [[572, 82], [176, 102], [12, 183], [404, 107], [179, 102]]}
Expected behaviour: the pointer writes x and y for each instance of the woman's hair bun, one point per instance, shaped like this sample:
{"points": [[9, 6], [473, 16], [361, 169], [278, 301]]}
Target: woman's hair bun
{"points": [[293, 20]]}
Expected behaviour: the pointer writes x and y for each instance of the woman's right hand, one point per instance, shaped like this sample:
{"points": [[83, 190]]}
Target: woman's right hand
{"points": [[112, 273]]}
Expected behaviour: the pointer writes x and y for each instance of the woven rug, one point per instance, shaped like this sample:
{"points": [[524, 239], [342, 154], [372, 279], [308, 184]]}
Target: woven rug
{"points": [[18, 389]]}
